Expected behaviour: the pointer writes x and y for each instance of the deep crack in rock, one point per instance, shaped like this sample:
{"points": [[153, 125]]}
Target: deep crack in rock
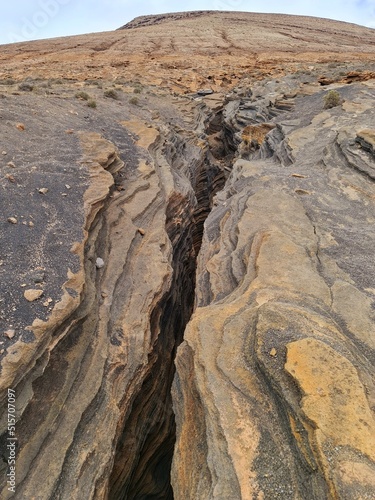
{"points": [[152, 418], [278, 345]]}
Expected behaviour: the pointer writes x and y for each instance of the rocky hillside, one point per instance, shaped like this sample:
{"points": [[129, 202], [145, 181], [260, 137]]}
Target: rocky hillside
{"points": [[187, 261], [182, 52]]}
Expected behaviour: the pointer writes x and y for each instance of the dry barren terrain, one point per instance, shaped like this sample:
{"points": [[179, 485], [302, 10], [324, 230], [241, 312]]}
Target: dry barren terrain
{"points": [[187, 261]]}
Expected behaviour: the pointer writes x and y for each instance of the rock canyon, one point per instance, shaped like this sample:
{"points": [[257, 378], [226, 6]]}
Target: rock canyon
{"points": [[187, 261]]}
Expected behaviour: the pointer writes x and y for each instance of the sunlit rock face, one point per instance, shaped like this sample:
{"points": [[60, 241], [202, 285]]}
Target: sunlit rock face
{"points": [[274, 389], [186, 260]]}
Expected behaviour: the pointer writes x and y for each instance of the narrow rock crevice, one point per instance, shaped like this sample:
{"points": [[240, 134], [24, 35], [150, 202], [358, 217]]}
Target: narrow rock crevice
{"points": [[151, 423], [211, 177]]}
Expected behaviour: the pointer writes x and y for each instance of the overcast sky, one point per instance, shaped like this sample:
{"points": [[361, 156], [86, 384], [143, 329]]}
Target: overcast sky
{"points": [[22, 20]]}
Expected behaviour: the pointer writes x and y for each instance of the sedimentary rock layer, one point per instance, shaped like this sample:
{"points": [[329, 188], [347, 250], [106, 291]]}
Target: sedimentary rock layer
{"points": [[91, 354], [220, 243], [274, 391]]}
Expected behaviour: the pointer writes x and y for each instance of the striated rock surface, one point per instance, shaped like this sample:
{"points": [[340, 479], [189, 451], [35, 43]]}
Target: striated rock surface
{"points": [[278, 356], [186, 261]]}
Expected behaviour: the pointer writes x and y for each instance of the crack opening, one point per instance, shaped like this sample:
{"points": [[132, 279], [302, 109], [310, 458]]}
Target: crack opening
{"points": [[149, 430]]}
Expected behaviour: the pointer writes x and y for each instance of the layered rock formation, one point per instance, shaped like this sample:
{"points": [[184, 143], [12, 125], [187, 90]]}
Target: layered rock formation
{"points": [[187, 282], [277, 356]]}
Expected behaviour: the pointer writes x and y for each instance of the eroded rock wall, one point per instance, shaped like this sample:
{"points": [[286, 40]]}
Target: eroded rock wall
{"points": [[274, 391], [91, 360], [238, 223]]}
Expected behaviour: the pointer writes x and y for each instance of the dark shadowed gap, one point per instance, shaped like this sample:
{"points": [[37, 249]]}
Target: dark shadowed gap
{"points": [[151, 424]]}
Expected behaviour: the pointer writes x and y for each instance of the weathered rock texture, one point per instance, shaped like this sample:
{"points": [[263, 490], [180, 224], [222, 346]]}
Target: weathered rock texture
{"points": [[274, 392], [187, 282]]}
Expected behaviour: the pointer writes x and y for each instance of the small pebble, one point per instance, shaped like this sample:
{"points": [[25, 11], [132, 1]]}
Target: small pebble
{"points": [[99, 263], [273, 352], [37, 276], [67, 186], [32, 294], [12, 220], [43, 190], [31, 224], [10, 178], [4, 153], [20, 126], [10, 333], [141, 231], [11, 164]]}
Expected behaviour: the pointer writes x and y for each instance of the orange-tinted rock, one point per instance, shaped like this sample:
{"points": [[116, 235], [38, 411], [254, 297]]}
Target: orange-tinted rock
{"points": [[139, 206]]}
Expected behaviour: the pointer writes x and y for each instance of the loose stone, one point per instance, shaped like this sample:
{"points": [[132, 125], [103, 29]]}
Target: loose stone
{"points": [[99, 263], [32, 294]]}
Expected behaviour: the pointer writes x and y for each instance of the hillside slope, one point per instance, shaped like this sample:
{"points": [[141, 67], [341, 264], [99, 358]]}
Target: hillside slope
{"points": [[186, 51]]}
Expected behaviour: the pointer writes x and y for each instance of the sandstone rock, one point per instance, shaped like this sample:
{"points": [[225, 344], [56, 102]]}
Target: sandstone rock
{"points": [[366, 138], [255, 265], [32, 294], [10, 333], [267, 285], [334, 398]]}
